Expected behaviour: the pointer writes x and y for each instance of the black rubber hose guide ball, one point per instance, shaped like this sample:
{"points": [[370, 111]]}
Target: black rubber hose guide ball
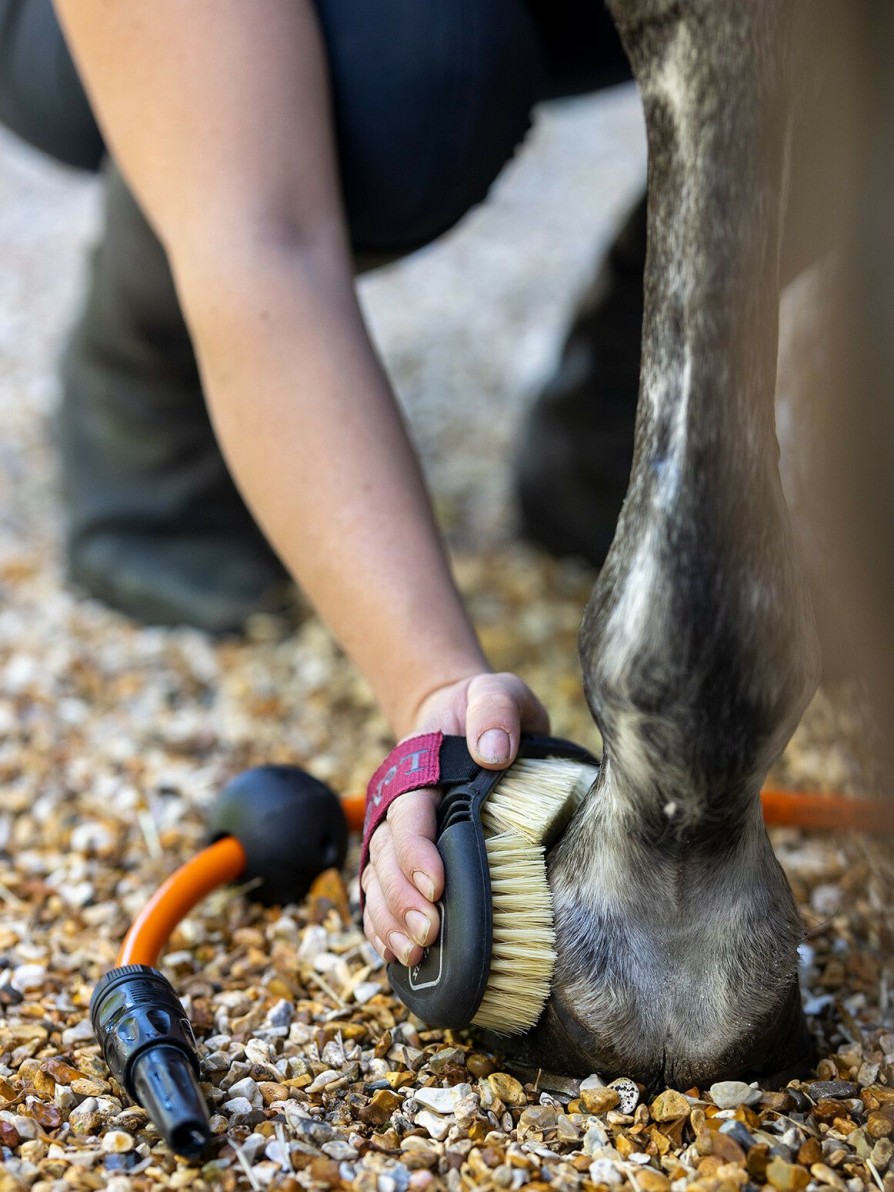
{"points": [[290, 824]]}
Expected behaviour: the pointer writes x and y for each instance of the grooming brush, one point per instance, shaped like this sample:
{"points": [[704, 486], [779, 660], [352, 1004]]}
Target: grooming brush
{"points": [[493, 961]]}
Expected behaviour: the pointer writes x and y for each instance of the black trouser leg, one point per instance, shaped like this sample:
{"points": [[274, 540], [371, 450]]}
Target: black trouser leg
{"points": [[156, 526], [577, 445]]}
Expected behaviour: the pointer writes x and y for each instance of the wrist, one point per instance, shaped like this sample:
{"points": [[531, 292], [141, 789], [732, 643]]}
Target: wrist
{"points": [[435, 704]]}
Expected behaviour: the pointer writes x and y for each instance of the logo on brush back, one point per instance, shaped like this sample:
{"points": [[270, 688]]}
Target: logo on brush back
{"points": [[428, 972]]}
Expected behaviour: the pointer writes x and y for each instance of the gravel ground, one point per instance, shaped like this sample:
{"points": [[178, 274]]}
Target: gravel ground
{"points": [[115, 739]]}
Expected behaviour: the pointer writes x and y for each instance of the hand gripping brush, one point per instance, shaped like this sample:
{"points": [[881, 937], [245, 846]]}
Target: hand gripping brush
{"points": [[492, 963]]}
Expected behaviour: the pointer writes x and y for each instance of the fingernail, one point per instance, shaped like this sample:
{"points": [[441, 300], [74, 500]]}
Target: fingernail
{"points": [[418, 927], [380, 946], [424, 885], [494, 745], [400, 946]]}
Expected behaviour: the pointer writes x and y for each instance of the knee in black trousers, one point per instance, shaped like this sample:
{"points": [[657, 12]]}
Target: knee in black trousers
{"points": [[430, 98]]}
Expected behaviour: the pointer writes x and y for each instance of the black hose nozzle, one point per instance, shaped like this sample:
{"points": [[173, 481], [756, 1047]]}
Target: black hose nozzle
{"points": [[147, 1041]]}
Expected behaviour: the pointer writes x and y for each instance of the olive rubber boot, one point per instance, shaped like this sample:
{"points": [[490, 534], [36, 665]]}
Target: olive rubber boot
{"points": [[577, 446], [156, 527]]}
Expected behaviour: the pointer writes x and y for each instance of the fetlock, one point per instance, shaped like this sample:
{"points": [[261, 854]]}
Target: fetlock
{"points": [[577, 446], [156, 527]]}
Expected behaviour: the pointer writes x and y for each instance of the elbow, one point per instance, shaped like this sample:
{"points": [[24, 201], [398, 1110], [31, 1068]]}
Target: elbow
{"points": [[230, 268]]}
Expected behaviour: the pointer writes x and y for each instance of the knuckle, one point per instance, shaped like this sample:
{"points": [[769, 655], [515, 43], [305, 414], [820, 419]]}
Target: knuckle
{"points": [[395, 893], [379, 844], [411, 855], [404, 811]]}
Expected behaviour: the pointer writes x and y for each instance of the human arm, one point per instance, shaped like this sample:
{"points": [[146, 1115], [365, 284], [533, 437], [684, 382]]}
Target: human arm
{"points": [[217, 113]]}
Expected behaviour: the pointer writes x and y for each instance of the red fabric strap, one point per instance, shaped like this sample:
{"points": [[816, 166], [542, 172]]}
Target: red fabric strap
{"points": [[413, 764]]}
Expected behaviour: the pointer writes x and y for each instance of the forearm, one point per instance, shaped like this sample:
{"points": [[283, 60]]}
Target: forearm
{"points": [[221, 123], [311, 431]]}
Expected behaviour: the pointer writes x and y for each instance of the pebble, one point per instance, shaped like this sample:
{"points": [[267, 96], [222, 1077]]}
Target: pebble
{"points": [[603, 1171], [364, 990], [537, 1118], [594, 1140], [650, 1180], [384, 1103], [738, 1132], [669, 1105], [238, 1105], [787, 1177], [81, 1033], [329, 1076], [729, 1094], [447, 1057], [117, 1142], [26, 977], [85, 1118], [832, 1090], [628, 1093], [507, 1088], [280, 1014], [435, 1124], [599, 1100], [442, 1100], [246, 1089]]}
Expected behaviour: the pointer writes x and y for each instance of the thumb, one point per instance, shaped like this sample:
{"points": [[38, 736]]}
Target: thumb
{"points": [[493, 722]]}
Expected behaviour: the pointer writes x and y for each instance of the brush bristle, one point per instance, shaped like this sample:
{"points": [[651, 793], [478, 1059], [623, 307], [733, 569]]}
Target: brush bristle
{"points": [[536, 797], [534, 800], [523, 954]]}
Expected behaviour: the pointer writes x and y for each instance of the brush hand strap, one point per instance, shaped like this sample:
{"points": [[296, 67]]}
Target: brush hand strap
{"points": [[432, 759]]}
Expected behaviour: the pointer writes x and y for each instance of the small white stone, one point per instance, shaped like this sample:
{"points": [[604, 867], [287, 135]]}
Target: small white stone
{"points": [[258, 1052], [25, 1127], [314, 941], [277, 1153], [442, 1100], [28, 976], [238, 1105], [339, 1150], [729, 1094], [117, 1142], [433, 1123], [594, 1139], [627, 1091], [322, 1080], [248, 1089], [826, 899], [280, 1014], [365, 990], [592, 1082], [81, 1032], [84, 1158], [603, 1171]]}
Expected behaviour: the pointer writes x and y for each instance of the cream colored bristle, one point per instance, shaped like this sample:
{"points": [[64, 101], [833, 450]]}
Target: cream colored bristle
{"points": [[534, 798], [523, 952]]}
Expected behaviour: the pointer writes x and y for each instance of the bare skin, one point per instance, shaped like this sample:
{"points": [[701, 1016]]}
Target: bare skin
{"points": [[220, 123]]}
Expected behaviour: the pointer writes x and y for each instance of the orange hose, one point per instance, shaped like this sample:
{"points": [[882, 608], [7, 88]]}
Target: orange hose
{"points": [[214, 866], [782, 808], [354, 807], [225, 861], [826, 812]]}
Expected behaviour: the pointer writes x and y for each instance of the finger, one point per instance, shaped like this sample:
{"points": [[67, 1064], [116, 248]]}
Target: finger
{"points": [[370, 932], [498, 707], [413, 825], [399, 915]]}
